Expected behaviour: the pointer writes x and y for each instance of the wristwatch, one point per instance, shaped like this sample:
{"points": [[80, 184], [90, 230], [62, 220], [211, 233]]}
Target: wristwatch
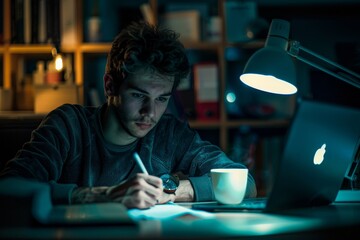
{"points": [[170, 183]]}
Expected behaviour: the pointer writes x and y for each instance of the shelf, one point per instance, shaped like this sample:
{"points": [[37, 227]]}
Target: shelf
{"points": [[202, 45], [256, 44], [95, 47], [20, 115], [30, 49], [265, 123], [105, 47], [35, 49], [204, 124]]}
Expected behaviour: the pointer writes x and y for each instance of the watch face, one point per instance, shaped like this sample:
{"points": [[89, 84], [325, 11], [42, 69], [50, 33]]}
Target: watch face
{"points": [[170, 183]]}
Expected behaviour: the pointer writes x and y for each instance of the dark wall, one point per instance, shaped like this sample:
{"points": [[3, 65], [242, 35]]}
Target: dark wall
{"points": [[331, 30]]}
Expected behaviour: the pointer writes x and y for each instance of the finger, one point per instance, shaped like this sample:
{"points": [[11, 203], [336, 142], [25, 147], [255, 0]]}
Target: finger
{"points": [[137, 199], [148, 189], [152, 180], [138, 184], [150, 184], [130, 203]]}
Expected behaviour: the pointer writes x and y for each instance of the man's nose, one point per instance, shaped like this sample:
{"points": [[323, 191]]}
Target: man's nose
{"points": [[148, 109]]}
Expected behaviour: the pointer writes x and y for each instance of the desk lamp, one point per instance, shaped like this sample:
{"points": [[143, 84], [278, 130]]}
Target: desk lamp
{"points": [[271, 69]]}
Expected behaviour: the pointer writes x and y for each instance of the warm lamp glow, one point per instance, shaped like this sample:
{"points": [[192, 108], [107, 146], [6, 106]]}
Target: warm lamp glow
{"points": [[268, 83], [58, 60], [59, 65]]}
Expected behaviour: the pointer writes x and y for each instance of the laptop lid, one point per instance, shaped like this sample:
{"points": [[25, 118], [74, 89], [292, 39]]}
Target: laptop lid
{"points": [[321, 144]]}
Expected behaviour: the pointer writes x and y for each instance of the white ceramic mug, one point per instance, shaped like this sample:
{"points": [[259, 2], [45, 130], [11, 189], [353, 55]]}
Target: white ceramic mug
{"points": [[229, 185]]}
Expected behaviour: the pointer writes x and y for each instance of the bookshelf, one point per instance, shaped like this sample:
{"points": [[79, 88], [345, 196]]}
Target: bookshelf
{"points": [[83, 50]]}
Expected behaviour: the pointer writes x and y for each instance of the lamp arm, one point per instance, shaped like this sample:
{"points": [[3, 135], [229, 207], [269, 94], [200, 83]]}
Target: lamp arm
{"points": [[345, 74]]}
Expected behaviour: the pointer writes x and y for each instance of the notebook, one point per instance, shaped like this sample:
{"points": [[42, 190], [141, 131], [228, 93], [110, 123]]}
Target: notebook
{"points": [[25, 202], [321, 144]]}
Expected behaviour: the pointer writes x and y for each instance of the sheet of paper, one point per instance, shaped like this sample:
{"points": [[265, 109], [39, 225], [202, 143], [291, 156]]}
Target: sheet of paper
{"points": [[166, 211]]}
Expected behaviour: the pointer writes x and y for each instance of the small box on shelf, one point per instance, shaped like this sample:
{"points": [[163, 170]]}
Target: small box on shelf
{"points": [[48, 97], [187, 23]]}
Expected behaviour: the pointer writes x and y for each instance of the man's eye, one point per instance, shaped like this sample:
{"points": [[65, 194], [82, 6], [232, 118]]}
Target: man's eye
{"points": [[137, 95], [163, 99]]}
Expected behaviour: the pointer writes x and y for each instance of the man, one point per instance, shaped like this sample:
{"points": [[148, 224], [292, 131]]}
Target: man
{"points": [[86, 153]]}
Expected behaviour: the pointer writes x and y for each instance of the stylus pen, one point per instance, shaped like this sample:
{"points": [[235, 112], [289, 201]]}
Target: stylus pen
{"points": [[140, 163]]}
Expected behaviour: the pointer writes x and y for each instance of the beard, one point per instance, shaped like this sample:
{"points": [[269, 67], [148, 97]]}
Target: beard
{"points": [[130, 124]]}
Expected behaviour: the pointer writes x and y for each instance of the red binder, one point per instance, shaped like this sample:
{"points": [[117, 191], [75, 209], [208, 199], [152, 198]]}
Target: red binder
{"points": [[206, 81]]}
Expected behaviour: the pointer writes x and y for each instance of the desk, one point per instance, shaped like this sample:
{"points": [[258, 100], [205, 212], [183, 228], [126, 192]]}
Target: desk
{"points": [[338, 221]]}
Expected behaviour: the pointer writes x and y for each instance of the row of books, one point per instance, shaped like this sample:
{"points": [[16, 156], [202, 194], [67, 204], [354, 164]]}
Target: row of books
{"points": [[43, 21]]}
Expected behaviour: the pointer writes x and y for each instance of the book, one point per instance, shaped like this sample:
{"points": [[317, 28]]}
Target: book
{"points": [[27, 21], [53, 21], [68, 22], [238, 15], [17, 23], [42, 38], [35, 21]]}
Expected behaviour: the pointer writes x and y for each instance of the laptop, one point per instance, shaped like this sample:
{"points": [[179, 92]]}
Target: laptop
{"points": [[321, 144]]}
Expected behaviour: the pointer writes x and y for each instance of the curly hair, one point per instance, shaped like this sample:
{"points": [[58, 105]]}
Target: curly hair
{"points": [[144, 46]]}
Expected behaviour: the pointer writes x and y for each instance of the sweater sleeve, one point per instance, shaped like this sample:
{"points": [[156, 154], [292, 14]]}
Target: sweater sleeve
{"points": [[44, 156], [202, 188], [61, 193], [198, 157]]}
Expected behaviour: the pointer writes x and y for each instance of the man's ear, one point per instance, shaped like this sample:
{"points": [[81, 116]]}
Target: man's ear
{"points": [[111, 88]]}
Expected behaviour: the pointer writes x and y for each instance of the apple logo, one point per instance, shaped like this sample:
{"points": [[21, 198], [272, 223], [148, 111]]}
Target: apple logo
{"points": [[319, 155]]}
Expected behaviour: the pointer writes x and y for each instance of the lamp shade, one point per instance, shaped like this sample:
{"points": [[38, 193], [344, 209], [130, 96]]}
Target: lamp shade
{"points": [[270, 69]]}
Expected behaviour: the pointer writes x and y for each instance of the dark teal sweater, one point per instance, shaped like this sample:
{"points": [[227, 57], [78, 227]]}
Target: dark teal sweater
{"points": [[69, 150]]}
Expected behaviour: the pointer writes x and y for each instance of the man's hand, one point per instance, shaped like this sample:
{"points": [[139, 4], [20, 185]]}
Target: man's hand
{"points": [[141, 191]]}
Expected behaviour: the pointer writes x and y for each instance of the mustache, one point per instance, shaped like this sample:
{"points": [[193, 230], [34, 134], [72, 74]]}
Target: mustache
{"points": [[146, 120]]}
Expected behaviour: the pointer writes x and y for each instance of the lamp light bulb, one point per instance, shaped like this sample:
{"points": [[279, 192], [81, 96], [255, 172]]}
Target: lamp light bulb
{"points": [[59, 64], [268, 83]]}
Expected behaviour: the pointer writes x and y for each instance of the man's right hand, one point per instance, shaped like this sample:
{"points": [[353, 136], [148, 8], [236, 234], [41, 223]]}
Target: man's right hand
{"points": [[141, 191]]}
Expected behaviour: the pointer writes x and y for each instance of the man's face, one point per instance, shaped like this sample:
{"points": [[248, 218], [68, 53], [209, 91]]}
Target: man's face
{"points": [[144, 98]]}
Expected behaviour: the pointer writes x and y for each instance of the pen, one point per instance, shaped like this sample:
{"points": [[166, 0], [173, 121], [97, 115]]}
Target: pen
{"points": [[140, 163]]}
